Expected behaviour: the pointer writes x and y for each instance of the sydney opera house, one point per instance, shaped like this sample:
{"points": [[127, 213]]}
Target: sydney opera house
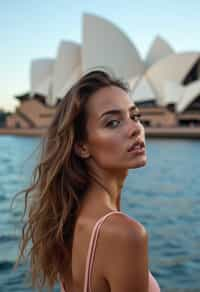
{"points": [[165, 86]]}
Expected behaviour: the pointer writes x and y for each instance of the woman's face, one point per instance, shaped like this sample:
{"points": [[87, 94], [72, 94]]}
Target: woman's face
{"points": [[111, 134]]}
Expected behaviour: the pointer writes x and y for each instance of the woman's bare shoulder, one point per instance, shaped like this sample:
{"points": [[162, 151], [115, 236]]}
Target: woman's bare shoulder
{"points": [[124, 243], [121, 225]]}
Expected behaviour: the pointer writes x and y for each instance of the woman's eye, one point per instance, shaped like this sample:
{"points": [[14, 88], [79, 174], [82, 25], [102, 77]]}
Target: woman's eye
{"points": [[113, 123]]}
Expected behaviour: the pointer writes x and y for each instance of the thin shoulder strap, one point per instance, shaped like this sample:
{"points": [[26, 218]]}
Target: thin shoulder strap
{"points": [[91, 250]]}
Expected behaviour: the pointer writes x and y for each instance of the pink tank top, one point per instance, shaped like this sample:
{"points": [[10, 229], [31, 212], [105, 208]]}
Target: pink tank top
{"points": [[153, 284]]}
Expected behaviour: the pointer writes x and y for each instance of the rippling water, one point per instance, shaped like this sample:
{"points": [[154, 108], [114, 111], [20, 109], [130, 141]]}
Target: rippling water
{"points": [[164, 196]]}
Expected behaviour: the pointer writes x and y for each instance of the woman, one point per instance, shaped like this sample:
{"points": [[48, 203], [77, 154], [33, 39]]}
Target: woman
{"points": [[78, 234]]}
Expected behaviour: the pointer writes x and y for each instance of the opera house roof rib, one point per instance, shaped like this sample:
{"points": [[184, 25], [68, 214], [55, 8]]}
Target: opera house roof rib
{"points": [[41, 76], [191, 92], [174, 67], [158, 50], [105, 45], [142, 91], [68, 63], [172, 92], [133, 82]]}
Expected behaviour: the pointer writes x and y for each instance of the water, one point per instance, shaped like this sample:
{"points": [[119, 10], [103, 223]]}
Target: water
{"points": [[164, 196]]}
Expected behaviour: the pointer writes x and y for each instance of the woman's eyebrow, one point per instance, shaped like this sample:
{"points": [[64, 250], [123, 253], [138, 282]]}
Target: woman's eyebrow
{"points": [[118, 111]]}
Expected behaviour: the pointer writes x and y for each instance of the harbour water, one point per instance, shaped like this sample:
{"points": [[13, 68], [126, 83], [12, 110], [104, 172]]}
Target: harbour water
{"points": [[164, 196]]}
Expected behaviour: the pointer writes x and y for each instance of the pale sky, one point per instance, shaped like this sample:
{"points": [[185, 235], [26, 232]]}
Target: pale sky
{"points": [[32, 29]]}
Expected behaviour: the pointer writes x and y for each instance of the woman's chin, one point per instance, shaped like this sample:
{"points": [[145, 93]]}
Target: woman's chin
{"points": [[139, 162]]}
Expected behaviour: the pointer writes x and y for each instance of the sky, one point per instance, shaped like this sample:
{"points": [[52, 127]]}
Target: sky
{"points": [[33, 29]]}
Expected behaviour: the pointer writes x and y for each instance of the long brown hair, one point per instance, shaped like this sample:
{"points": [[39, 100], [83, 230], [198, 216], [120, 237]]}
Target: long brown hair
{"points": [[59, 182]]}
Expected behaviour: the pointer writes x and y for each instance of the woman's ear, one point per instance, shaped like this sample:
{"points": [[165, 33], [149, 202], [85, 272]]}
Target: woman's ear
{"points": [[81, 150]]}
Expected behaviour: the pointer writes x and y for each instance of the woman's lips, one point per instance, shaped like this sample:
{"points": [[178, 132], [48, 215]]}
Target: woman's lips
{"points": [[137, 146], [138, 150]]}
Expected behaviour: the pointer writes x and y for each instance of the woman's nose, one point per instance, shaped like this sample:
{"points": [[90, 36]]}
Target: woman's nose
{"points": [[134, 128]]}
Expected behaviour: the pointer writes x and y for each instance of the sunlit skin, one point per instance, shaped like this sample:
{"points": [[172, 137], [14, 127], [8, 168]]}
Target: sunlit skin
{"points": [[105, 151]]}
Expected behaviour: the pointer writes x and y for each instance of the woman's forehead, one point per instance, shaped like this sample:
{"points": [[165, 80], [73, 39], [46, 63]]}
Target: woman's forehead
{"points": [[108, 98]]}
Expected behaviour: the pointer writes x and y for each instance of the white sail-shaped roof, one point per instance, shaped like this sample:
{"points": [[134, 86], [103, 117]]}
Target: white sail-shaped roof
{"points": [[104, 44], [174, 67], [41, 76], [67, 60], [132, 82], [158, 50], [143, 91], [191, 92], [74, 76], [44, 88], [172, 92]]}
